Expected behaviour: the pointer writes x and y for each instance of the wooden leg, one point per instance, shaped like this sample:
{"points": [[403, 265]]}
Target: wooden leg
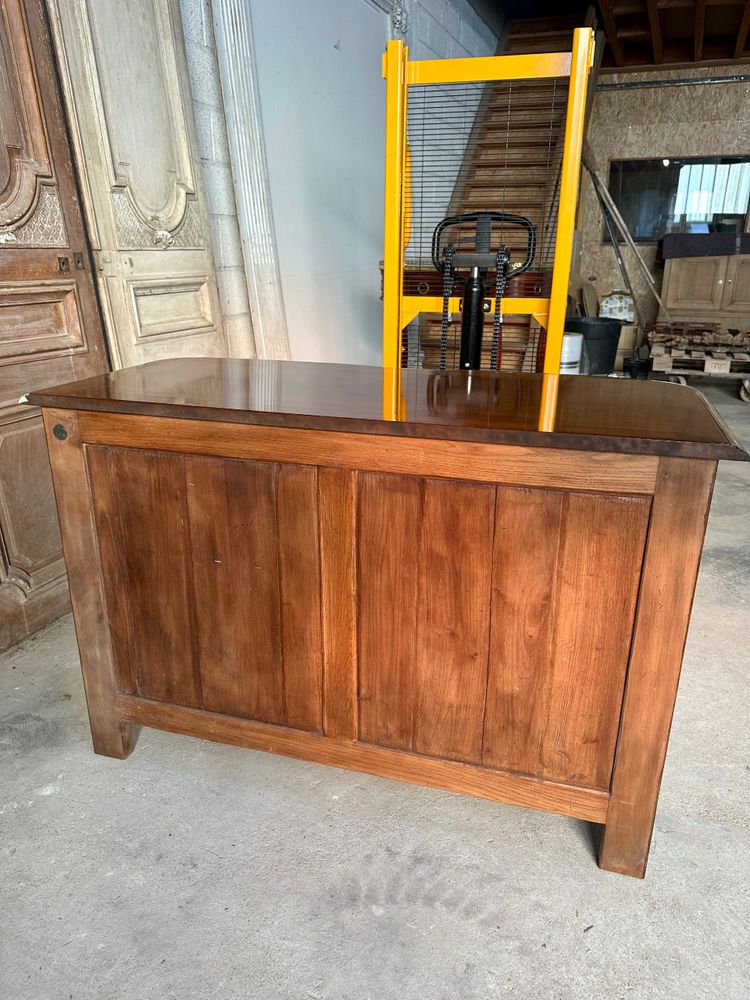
{"points": [[77, 526], [673, 551], [111, 738]]}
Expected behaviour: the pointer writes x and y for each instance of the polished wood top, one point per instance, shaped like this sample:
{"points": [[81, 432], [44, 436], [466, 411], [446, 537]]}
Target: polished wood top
{"points": [[593, 413]]}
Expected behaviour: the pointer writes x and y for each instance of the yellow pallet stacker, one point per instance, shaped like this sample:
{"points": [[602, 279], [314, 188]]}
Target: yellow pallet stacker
{"points": [[468, 264]]}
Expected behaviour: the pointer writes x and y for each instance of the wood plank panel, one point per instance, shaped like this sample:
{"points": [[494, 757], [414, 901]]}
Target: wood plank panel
{"points": [[601, 551], [390, 515], [564, 591], [450, 775], [527, 536], [337, 504], [232, 511], [141, 514], [299, 568], [455, 567], [670, 571], [511, 464]]}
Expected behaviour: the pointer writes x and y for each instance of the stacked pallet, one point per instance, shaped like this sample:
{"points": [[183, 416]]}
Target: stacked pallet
{"points": [[699, 349]]}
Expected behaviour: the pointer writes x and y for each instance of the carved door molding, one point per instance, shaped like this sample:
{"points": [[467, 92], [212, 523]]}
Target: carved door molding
{"points": [[50, 329], [125, 82]]}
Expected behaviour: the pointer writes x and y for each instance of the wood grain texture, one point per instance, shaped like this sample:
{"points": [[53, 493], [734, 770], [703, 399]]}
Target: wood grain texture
{"points": [[476, 635], [615, 416], [390, 514], [455, 569], [582, 803], [337, 499], [49, 321], [236, 571], [678, 522], [527, 539], [109, 734], [425, 561], [141, 513], [299, 568], [511, 464], [212, 579], [565, 585]]}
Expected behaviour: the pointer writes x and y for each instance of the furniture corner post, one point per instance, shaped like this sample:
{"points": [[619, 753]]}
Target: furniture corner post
{"points": [[109, 734], [670, 570]]}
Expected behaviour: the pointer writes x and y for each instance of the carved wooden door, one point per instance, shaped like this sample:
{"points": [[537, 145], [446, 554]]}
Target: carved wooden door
{"points": [[49, 322], [125, 82]]}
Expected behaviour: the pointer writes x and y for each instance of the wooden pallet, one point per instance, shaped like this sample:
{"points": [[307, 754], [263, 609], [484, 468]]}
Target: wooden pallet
{"points": [[700, 361]]}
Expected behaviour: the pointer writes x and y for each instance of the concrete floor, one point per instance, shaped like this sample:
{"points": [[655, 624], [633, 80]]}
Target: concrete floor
{"points": [[201, 871]]}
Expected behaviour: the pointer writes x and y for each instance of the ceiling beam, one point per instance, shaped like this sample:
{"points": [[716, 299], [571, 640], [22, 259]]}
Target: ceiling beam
{"points": [[655, 24], [700, 27], [611, 29], [739, 47]]}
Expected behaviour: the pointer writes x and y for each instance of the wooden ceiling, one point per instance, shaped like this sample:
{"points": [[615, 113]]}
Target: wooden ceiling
{"points": [[670, 32]]}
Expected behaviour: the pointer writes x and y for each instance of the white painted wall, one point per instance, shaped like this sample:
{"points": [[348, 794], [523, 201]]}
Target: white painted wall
{"points": [[323, 105], [217, 177]]}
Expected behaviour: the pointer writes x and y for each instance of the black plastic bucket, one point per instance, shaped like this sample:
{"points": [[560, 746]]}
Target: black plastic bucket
{"points": [[601, 336]]}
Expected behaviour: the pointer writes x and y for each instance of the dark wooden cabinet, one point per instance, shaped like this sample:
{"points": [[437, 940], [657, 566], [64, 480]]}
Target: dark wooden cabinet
{"points": [[452, 598]]}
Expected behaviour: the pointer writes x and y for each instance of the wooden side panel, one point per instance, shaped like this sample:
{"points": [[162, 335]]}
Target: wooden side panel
{"points": [[601, 551], [213, 584], [425, 558], [527, 538], [565, 585], [299, 567], [389, 530], [337, 493], [455, 570], [670, 570], [233, 527], [141, 514]]}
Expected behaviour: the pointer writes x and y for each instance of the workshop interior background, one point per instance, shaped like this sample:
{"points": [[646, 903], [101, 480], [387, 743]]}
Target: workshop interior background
{"points": [[205, 177]]}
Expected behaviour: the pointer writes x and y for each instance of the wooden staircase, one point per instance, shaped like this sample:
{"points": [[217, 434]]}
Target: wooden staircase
{"points": [[512, 164]]}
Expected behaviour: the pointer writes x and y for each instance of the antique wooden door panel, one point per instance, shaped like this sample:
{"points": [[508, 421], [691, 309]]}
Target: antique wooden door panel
{"points": [[234, 541], [425, 566], [49, 321], [126, 85], [565, 584]]}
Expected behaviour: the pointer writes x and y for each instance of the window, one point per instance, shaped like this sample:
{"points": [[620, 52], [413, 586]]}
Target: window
{"points": [[656, 197]]}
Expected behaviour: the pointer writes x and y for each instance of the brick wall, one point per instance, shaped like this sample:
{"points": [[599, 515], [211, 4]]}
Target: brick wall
{"points": [[447, 29], [217, 175]]}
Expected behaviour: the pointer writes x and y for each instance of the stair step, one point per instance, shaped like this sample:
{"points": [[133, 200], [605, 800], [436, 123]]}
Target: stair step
{"points": [[540, 25]]}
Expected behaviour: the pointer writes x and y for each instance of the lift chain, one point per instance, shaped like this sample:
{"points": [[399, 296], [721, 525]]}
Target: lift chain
{"points": [[447, 292], [501, 266]]}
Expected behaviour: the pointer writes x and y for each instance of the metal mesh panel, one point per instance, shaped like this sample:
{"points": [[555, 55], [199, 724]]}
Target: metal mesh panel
{"points": [[482, 147]]}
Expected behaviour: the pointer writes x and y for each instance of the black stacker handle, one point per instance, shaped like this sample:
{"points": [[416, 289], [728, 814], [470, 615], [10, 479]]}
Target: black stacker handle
{"points": [[475, 258], [483, 255]]}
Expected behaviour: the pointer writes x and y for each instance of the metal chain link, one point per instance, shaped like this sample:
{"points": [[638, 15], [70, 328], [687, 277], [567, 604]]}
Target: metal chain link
{"points": [[501, 265], [447, 292]]}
